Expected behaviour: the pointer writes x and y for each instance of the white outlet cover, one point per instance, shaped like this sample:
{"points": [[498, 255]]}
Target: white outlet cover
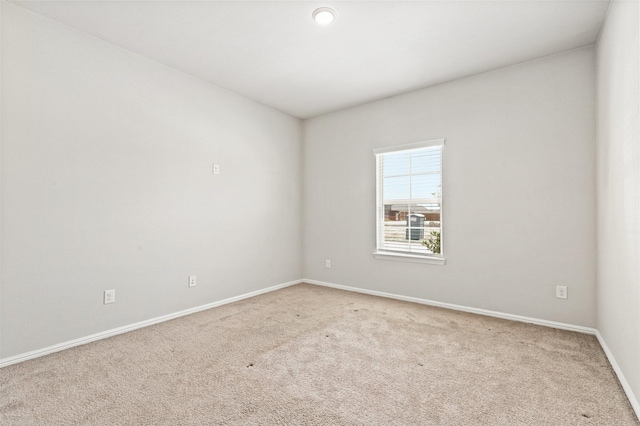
{"points": [[327, 263], [109, 296], [192, 280], [561, 291]]}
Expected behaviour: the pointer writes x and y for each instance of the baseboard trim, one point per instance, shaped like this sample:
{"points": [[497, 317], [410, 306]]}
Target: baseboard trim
{"points": [[496, 314], [623, 381], [4, 362]]}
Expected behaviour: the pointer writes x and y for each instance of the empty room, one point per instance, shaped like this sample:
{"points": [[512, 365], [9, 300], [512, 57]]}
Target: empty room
{"points": [[320, 213]]}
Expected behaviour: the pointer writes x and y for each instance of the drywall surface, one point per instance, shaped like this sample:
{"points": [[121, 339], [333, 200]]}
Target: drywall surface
{"points": [[107, 183], [618, 171], [518, 190]]}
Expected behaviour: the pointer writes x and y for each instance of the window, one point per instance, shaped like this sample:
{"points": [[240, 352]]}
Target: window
{"points": [[409, 202]]}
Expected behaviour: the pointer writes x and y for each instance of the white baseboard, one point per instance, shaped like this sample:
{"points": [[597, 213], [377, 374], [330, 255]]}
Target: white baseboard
{"points": [[4, 362], [623, 381], [496, 314]]}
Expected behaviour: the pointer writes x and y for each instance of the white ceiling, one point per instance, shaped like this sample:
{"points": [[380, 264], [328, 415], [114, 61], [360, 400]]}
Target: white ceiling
{"points": [[273, 52]]}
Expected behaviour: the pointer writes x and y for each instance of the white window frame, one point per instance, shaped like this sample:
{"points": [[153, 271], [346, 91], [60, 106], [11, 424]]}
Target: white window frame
{"points": [[386, 254]]}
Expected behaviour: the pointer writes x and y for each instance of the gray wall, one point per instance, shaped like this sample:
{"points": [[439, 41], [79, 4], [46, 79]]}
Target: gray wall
{"points": [[518, 189], [107, 183], [619, 188]]}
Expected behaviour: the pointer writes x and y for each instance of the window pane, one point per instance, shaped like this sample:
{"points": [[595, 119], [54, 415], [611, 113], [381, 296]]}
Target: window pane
{"points": [[408, 226], [396, 188], [425, 186], [397, 163], [432, 227], [426, 161], [411, 193]]}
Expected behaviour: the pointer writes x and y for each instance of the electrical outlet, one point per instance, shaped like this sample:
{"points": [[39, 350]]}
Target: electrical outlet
{"points": [[327, 263], [216, 169], [192, 280], [109, 296], [561, 291]]}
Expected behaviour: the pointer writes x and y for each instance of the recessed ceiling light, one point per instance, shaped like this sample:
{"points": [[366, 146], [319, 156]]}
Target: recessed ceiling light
{"points": [[324, 15]]}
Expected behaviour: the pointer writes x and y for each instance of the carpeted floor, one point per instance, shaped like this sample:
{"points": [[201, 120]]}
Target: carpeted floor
{"points": [[309, 355]]}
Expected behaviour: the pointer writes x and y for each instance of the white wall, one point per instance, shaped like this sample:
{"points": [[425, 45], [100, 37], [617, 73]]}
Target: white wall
{"points": [[107, 183], [519, 190], [618, 151]]}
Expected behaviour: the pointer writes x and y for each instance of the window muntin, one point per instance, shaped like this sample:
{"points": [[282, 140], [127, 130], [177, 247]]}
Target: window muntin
{"points": [[409, 198]]}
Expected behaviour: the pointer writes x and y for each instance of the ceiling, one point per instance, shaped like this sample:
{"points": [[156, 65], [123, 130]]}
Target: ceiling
{"points": [[274, 53]]}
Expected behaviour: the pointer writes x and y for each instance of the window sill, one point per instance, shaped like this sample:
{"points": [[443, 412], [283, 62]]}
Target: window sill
{"points": [[434, 260]]}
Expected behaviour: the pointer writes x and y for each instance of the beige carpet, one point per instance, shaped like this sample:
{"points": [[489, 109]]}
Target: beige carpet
{"points": [[311, 355]]}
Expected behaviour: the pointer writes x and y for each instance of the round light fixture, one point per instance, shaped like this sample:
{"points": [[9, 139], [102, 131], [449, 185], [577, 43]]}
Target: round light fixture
{"points": [[324, 15]]}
